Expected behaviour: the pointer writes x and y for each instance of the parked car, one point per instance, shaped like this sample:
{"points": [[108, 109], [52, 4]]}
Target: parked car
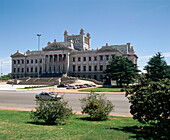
{"points": [[71, 87], [88, 85], [47, 95], [62, 85], [77, 86]]}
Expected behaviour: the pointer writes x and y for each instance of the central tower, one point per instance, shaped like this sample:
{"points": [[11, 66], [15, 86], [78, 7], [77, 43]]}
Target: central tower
{"points": [[80, 42]]}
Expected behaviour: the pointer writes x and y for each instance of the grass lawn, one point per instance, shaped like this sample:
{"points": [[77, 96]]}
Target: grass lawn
{"points": [[32, 87], [18, 125], [101, 89]]}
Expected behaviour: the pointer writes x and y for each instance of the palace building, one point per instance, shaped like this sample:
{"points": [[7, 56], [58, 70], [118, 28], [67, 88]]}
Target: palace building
{"points": [[73, 57]]}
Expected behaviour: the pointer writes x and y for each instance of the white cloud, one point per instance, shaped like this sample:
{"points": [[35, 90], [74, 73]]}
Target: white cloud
{"points": [[167, 54]]}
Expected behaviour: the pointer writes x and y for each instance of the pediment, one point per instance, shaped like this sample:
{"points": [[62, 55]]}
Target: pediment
{"points": [[18, 54], [55, 46]]}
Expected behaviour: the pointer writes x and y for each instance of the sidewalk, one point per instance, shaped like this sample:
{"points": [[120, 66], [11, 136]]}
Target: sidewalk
{"points": [[76, 112]]}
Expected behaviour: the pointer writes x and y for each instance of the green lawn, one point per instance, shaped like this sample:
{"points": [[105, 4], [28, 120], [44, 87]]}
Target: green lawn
{"points": [[101, 89], [17, 125]]}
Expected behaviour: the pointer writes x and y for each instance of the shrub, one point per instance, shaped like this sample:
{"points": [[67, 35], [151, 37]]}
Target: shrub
{"points": [[51, 111], [97, 106], [150, 102]]}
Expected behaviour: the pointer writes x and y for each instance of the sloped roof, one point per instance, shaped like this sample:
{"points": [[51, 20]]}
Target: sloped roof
{"points": [[109, 48], [56, 46], [17, 54]]}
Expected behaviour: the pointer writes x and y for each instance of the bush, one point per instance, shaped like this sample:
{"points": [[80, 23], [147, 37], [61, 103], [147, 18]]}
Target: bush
{"points": [[150, 102], [51, 112], [97, 106]]}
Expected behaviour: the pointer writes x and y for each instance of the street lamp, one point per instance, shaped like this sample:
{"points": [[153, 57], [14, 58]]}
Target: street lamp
{"points": [[1, 71], [39, 35]]}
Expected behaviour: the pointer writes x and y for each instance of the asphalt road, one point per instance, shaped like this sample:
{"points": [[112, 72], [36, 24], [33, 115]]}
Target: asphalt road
{"points": [[26, 99]]}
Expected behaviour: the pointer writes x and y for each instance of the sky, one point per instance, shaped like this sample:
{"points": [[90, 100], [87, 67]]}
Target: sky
{"points": [[143, 23]]}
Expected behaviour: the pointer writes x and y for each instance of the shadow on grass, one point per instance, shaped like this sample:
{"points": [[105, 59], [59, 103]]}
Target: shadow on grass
{"points": [[145, 132], [89, 119], [46, 124]]}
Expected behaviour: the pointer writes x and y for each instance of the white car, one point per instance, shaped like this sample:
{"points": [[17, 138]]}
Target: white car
{"points": [[71, 87], [47, 95]]}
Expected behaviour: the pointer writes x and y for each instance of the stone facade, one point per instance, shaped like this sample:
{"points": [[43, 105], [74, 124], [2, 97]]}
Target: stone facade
{"points": [[72, 57]]}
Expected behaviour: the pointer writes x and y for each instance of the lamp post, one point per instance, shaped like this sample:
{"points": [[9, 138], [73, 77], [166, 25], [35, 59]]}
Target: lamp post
{"points": [[1, 71], [39, 35]]}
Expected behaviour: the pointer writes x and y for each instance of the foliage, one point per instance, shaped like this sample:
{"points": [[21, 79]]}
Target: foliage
{"points": [[51, 111], [97, 106], [157, 68], [6, 77], [150, 102], [122, 70]]}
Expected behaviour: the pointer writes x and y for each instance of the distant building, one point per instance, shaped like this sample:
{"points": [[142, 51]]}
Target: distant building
{"points": [[73, 57]]}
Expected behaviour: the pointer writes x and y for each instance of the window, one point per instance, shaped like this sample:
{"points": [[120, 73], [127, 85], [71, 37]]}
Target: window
{"points": [[101, 77], [18, 69], [95, 68], [31, 61], [101, 67], [14, 69], [73, 59], [89, 76], [22, 69], [22, 61], [95, 77], [40, 60], [14, 61], [27, 69], [95, 58], [31, 69], [79, 58], [74, 68], [101, 57], [107, 57], [35, 69], [84, 58], [79, 68], [84, 68], [89, 58], [89, 68], [36, 61], [27, 61], [18, 61]]}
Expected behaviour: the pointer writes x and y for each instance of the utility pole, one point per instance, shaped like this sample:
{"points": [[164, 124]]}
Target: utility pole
{"points": [[39, 35]]}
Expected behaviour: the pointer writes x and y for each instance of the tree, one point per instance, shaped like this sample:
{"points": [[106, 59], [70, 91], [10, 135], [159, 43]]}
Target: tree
{"points": [[122, 70], [6, 77], [150, 102], [157, 68]]}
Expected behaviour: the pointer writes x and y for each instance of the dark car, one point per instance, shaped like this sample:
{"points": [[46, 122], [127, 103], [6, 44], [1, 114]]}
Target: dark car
{"points": [[47, 95], [62, 85]]}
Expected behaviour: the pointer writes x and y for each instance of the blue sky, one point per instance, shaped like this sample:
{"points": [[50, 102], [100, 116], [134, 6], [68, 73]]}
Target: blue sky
{"points": [[143, 23]]}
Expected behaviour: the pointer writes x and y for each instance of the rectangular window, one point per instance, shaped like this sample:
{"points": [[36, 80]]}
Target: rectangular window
{"points": [[22, 69], [89, 68], [31, 61], [22, 61], [14, 69], [35, 69], [101, 67], [101, 77], [89, 58], [27, 69], [18, 61], [84, 68], [95, 58], [14, 61], [74, 68], [79, 68], [101, 57], [73, 59], [95, 77], [40, 60], [18, 70], [27, 61], [31, 69], [95, 68], [84, 58], [79, 58], [36, 61], [107, 57]]}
